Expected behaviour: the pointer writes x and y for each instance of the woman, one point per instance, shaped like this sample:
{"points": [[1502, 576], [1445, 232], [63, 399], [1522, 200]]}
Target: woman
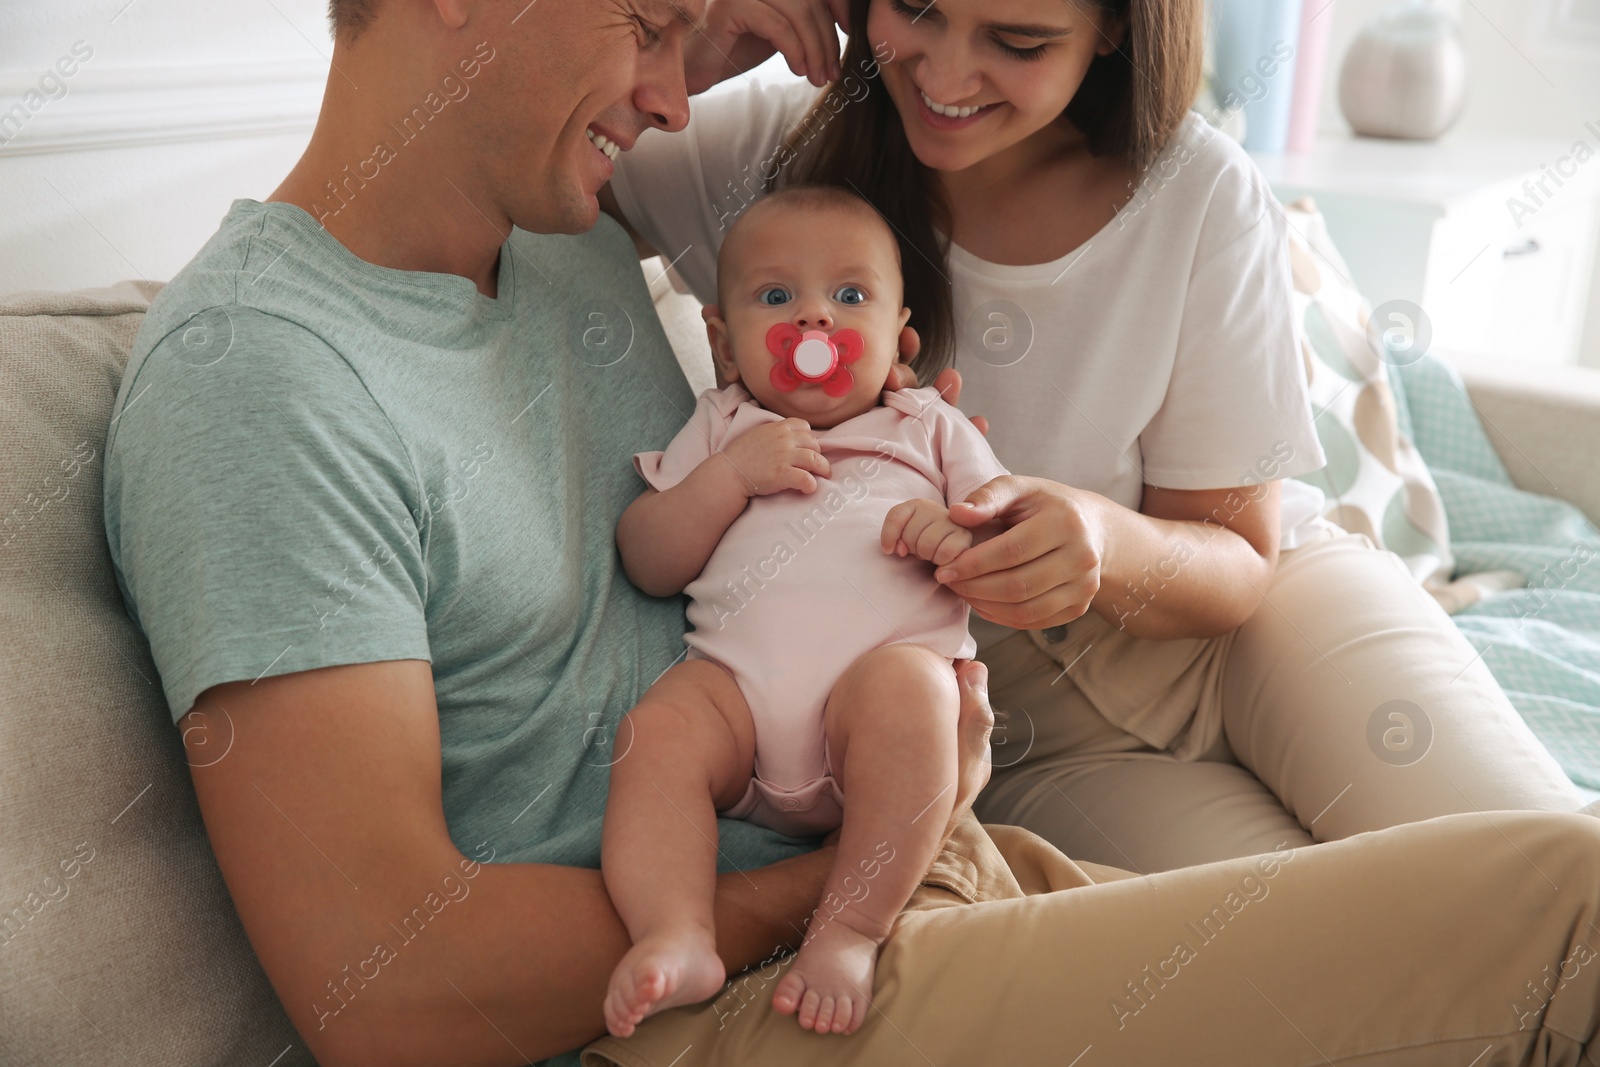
{"points": [[1133, 347], [1110, 278]]}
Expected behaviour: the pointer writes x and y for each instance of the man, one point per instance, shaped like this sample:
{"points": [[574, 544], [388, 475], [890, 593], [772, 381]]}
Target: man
{"points": [[360, 492], [351, 449]]}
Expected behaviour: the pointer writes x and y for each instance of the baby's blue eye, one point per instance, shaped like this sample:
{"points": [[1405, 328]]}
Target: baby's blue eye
{"points": [[849, 294], [774, 296]]}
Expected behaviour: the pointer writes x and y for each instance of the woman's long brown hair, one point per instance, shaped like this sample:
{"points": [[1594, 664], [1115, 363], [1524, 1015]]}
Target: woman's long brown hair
{"points": [[1130, 104]]}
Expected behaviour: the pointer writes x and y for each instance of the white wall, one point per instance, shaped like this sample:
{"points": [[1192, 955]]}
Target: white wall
{"points": [[172, 109], [186, 104], [123, 169], [1523, 79]]}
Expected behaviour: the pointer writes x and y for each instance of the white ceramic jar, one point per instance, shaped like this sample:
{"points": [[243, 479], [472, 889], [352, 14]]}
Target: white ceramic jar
{"points": [[1405, 74]]}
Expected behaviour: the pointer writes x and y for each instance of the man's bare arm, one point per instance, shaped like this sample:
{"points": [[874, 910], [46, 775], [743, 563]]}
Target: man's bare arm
{"points": [[326, 818]]}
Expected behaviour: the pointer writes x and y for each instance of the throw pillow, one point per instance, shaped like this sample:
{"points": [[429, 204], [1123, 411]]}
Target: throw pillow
{"points": [[1375, 481]]}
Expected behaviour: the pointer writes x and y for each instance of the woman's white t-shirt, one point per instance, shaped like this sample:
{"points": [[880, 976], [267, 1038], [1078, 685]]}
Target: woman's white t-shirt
{"points": [[1161, 351]]}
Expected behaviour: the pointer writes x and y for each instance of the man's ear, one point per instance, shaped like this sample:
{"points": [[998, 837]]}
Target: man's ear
{"points": [[453, 13], [721, 344]]}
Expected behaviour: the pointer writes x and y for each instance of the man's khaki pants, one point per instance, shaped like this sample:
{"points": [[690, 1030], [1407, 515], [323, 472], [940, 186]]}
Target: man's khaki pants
{"points": [[1465, 941], [1468, 939]]}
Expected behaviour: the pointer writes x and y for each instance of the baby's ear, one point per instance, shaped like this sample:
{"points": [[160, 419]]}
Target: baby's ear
{"points": [[721, 344]]}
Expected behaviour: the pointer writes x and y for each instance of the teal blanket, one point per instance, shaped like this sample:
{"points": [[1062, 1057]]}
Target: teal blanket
{"points": [[1541, 642]]}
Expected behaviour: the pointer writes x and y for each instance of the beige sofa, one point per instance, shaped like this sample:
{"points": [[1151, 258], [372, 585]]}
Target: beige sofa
{"points": [[118, 943]]}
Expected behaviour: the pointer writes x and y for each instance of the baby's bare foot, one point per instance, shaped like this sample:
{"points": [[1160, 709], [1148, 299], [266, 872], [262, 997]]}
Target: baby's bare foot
{"points": [[830, 982], [663, 971]]}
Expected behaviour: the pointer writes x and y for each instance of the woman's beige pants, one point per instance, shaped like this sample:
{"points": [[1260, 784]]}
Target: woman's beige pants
{"points": [[1348, 702], [1470, 939]]}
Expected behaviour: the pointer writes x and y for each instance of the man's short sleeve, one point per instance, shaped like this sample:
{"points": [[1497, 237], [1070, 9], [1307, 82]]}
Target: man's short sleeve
{"points": [[260, 508], [1237, 397]]}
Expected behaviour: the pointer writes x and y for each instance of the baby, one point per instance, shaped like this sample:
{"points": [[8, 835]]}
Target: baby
{"points": [[820, 662]]}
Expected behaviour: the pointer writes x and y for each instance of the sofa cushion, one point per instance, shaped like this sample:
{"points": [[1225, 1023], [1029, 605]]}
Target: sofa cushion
{"points": [[1375, 482], [1544, 422], [118, 941]]}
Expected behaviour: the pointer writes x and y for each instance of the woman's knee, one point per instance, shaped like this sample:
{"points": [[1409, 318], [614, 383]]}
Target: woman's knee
{"points": [[1340, 567], [1148, 813]]}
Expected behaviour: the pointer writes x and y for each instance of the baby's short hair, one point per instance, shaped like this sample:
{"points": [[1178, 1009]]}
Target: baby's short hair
{"points": [[819, 197], [808, 198]]}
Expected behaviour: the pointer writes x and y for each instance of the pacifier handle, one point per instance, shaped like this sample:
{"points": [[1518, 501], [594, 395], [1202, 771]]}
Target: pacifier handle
{"points": [[813, 356]]}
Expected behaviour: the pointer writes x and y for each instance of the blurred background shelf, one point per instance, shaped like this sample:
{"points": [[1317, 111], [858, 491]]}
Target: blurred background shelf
{"points": [[1462, 228]]}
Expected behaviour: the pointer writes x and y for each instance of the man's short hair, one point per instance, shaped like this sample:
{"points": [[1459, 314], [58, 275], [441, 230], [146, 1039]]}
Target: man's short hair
{"points": [[350, 17]]}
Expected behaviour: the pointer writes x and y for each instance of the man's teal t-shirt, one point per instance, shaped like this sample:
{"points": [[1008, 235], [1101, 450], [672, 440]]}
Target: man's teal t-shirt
{"points": [[315, 461]]}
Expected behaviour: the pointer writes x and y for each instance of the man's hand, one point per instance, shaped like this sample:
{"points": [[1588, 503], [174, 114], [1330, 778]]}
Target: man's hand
{"points": [[778, 456], [922, 528], [741, 34]]}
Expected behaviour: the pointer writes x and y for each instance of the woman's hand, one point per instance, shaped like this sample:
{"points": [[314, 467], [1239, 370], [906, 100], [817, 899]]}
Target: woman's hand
{"points": [[1044, 570], [901, 376], [741, 34], [922, 528]]}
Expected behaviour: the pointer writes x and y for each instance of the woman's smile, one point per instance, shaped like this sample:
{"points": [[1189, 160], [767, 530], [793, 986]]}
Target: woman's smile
{"points": [[1005, 70], [947, 117]]}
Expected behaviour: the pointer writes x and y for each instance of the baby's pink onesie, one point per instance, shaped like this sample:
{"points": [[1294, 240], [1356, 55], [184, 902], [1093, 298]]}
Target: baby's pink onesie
{"points": [[799, 587]]}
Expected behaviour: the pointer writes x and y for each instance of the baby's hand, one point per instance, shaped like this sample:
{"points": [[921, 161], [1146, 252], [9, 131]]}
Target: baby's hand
{"points": [[923, 529], [778, 456]]}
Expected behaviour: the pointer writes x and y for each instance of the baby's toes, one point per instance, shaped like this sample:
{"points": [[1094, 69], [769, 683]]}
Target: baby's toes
{"points": [[622, 996], [787, 996], [808, 1009], [617, 1021], [859, 1006], [825, 1015], [635, 991]]}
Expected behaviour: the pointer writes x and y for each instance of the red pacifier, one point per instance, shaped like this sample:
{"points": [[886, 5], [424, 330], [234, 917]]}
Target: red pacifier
{"points": [[813, 356]]}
